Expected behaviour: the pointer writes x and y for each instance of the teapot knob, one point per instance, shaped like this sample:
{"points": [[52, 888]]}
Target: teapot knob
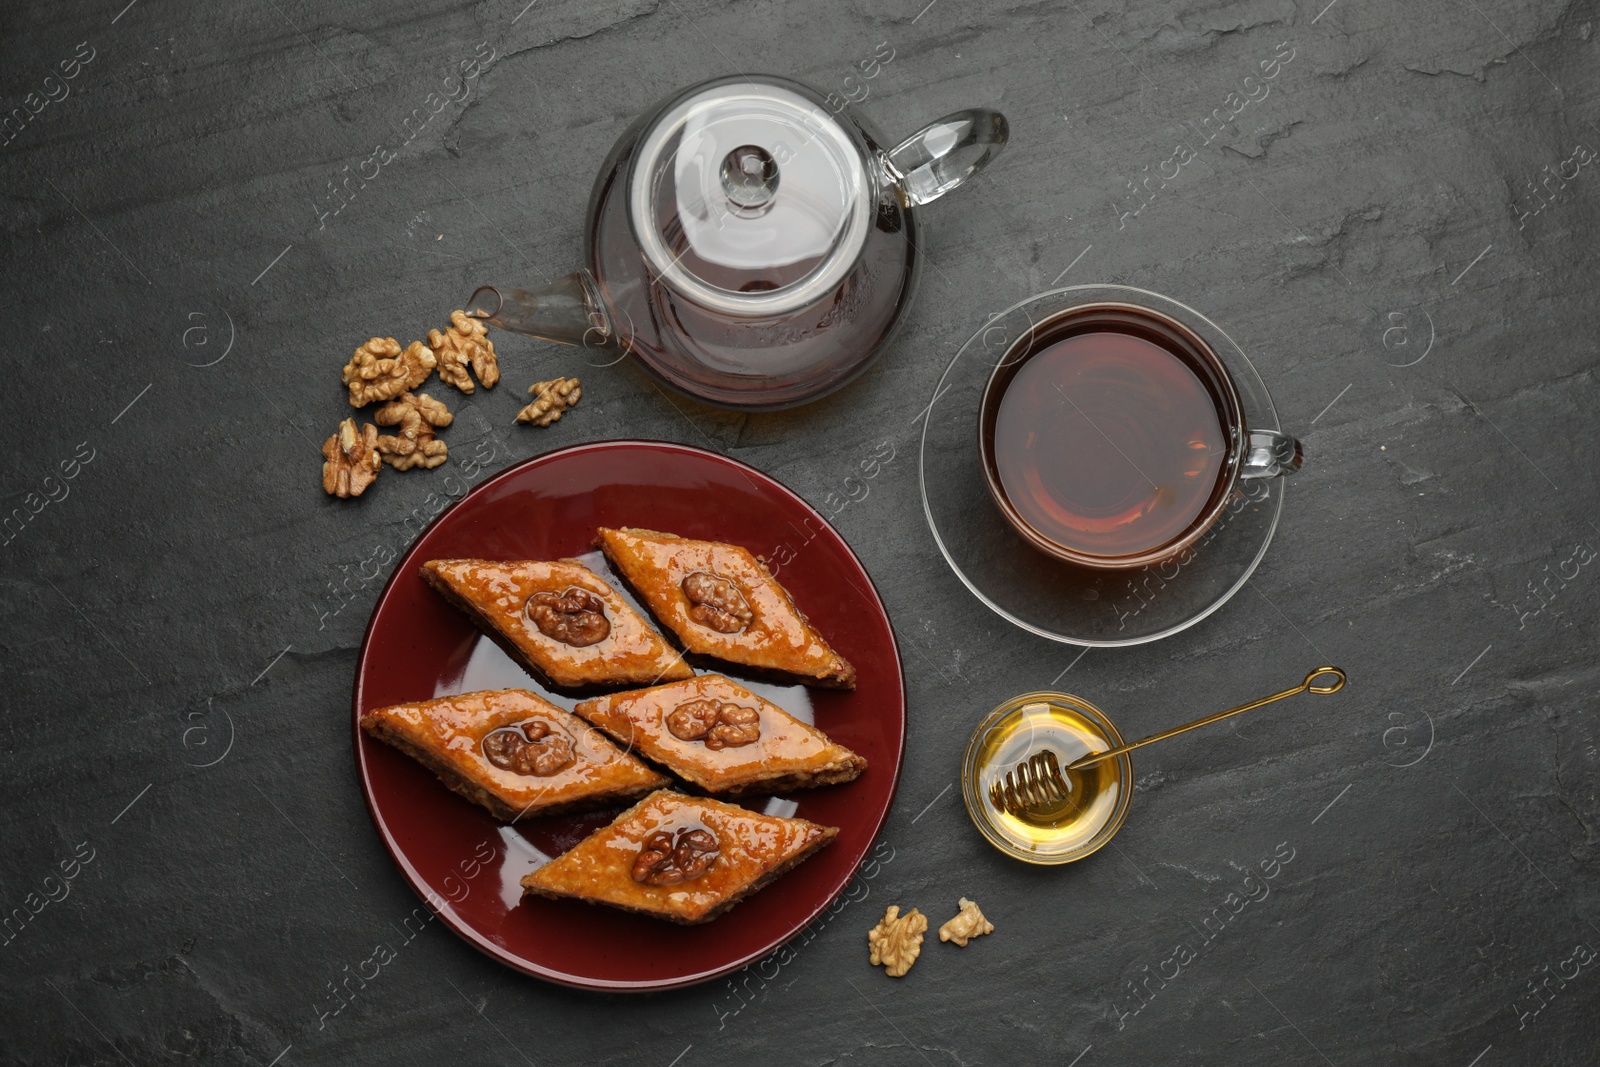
{"points": [[749, 176]]}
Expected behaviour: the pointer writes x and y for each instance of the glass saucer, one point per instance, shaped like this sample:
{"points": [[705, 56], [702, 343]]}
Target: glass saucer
{"points": [[1052, 598]]}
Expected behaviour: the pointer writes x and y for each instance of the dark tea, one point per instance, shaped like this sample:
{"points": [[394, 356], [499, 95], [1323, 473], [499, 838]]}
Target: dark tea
{"points": [[1109, 436]]}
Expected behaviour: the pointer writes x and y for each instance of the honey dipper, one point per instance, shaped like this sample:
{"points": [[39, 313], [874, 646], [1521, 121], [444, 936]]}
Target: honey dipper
{"points": [[1038, 781]]}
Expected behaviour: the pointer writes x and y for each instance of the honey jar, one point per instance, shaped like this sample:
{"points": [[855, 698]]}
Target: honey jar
{"points": [[1064, 829]]}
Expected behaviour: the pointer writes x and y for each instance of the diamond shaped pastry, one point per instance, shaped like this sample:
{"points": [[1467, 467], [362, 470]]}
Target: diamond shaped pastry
{"points": [[560, 620], [722, 602], [716, 734], [513, 752], [680, 858]]}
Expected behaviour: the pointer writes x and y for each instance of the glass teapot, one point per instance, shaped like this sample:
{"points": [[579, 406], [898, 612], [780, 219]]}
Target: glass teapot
{"points": [[749, 245]]}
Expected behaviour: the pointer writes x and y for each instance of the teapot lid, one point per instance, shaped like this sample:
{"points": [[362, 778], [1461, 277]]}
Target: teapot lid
{"points": [[747, 196]]}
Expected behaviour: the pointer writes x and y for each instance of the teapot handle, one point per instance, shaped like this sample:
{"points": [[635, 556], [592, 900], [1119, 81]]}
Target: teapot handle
{"points": [[943, 154]]}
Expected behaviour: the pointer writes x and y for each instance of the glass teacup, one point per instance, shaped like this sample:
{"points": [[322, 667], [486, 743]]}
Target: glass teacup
{"points": [[1112, 436]]}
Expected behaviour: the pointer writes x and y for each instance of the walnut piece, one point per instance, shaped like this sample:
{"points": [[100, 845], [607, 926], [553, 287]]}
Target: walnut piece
{"points": [[465, 343], [896, 941], [716, 602], [350, 460], [380, 371], [717, 723], [576, 617], [533, 748], [968, 924], [666, 858], [550, 400], [417, 415]]}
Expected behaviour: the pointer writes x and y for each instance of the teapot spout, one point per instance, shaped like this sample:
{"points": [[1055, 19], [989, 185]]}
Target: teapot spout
{"points": [[569, 311]]}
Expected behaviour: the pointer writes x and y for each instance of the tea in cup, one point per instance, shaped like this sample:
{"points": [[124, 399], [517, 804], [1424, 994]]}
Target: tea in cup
{"points": [[1113, 437]]}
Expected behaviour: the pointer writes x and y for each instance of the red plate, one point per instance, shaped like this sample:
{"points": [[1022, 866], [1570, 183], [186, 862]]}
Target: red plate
{"points": [[466, 865]]}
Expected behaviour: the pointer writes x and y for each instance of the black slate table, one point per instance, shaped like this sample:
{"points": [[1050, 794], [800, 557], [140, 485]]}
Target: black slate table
{"points": [[1399, 231]]}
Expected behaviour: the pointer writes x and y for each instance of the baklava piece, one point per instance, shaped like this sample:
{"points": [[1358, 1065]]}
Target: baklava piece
{"points": [[679, 858], [722, 602], [716, 734], [560, 620], [513, 752]]}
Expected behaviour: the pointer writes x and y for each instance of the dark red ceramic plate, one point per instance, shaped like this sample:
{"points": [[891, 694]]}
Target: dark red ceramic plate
{"points": [[466, 865]]}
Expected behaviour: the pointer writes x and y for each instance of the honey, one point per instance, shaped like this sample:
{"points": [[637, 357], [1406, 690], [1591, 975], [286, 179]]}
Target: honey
{"points": [[1097, 801]]}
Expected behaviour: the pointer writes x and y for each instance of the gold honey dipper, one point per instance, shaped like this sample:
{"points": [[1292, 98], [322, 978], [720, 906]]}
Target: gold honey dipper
{"points": [[1038, 781]]}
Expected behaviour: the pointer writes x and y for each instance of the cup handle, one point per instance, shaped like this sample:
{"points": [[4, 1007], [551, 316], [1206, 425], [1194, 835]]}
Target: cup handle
{"points": [[1271, 454], [943, 154]]}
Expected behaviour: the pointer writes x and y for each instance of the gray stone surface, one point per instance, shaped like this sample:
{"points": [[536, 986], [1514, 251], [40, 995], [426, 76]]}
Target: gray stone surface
{"points": [[1367, 230]]}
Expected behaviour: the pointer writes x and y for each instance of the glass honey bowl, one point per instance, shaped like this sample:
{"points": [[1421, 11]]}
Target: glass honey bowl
{"points": [[1070, 727]]}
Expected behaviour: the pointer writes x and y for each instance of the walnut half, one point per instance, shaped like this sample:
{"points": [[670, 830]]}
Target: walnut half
{"points": [[715, 602], [379, 370], [550, 400], [418, 415], [968, 924], [350, 460], [717, 723], [576, 617], [896, 941], [666, 858], [465, 343], [532, 748]]}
